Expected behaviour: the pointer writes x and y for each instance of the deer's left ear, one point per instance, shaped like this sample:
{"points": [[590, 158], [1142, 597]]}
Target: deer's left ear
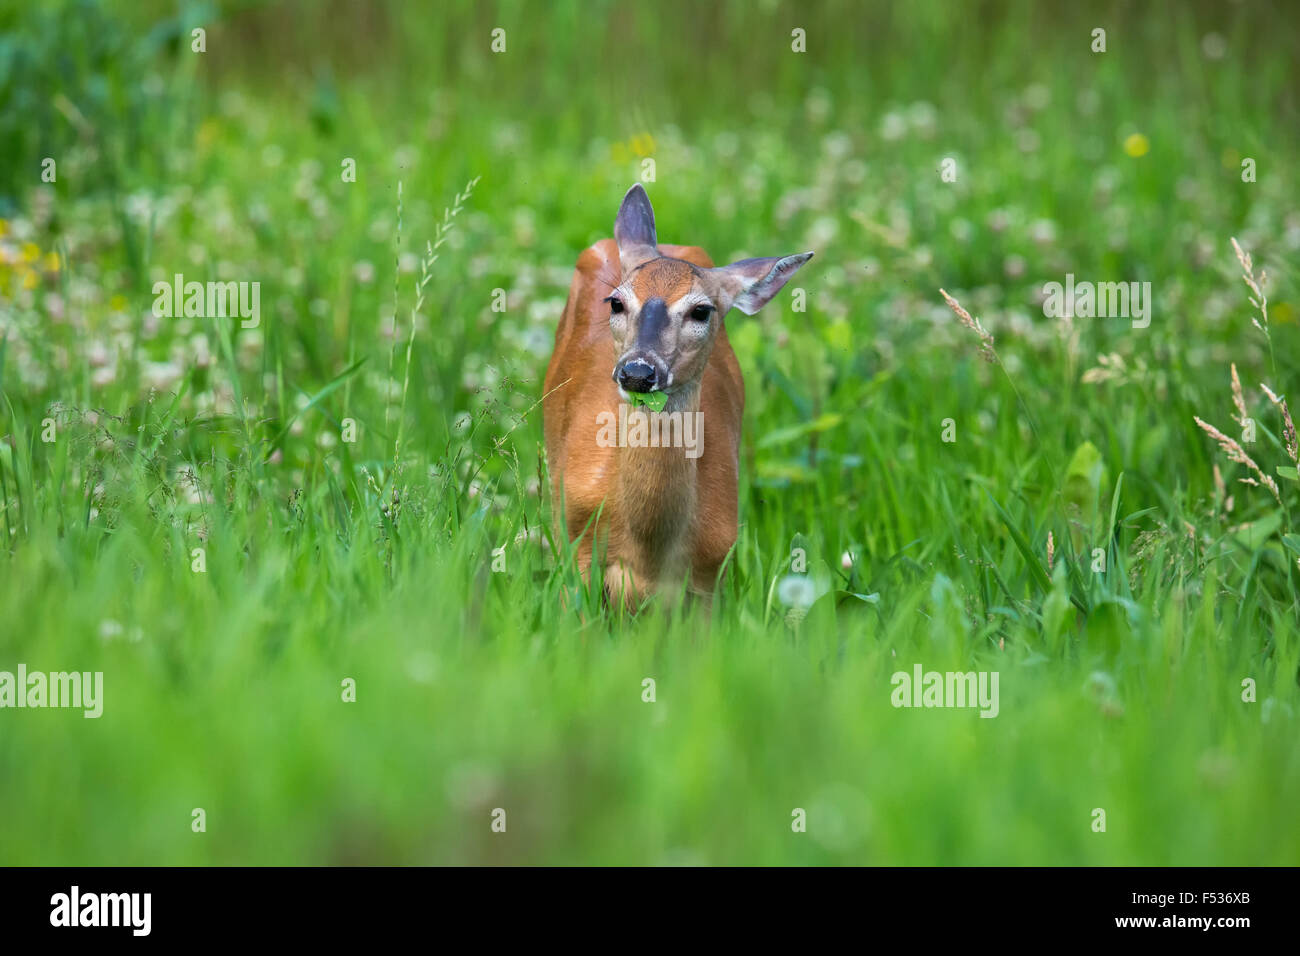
{"points": [[752, 283]]}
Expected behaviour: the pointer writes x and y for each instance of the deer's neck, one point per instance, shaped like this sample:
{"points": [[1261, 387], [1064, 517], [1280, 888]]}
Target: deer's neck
{"points": [[657, 492]]}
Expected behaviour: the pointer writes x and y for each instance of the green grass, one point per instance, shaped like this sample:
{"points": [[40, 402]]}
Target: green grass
{"points": [[475, 690]]}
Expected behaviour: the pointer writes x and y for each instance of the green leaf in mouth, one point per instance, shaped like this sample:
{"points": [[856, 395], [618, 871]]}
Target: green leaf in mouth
{"points": [[655, 401]]}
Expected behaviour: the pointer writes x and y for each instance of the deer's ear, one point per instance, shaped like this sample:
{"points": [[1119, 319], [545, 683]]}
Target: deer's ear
{"points": [[752, 283], [634, 229]]}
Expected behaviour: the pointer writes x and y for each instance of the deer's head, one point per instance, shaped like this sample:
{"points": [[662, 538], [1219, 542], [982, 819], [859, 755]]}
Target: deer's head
{"points": [[665, 313]]}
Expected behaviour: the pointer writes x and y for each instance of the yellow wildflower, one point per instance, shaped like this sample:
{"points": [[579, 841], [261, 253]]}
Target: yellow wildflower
{"points": [[1137, 145]]}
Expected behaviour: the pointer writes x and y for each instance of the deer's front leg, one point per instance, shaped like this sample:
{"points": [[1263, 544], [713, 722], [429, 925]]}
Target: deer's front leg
{"points": [[623, 585]]}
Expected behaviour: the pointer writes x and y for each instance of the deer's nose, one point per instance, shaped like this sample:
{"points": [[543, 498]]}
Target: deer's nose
{"points": [[637, 376]]}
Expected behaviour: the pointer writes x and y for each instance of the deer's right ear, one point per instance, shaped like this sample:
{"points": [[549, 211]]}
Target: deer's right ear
{"points": [[634, 229]]}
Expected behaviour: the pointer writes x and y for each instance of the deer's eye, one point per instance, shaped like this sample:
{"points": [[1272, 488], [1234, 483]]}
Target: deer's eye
{"points": [[701, 313], [615, 305]]}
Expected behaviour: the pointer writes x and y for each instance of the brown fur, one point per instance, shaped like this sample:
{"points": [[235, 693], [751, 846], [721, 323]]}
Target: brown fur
{"points": [[669, 278], [663, 514]]}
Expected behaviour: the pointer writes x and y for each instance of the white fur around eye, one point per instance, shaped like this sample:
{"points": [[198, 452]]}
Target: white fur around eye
{"points": [[695, 328], [689, 305]]}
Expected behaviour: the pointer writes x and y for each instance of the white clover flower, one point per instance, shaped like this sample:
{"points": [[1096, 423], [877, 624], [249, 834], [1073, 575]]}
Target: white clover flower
{"points": [[893, 126], [796, 590]]}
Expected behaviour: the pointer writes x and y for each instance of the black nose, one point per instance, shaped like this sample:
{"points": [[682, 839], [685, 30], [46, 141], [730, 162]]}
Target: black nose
{"points": [[636, 376]]}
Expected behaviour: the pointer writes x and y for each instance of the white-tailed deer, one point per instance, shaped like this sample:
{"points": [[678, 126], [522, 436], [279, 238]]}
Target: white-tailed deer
{"points": [[643, 329]]}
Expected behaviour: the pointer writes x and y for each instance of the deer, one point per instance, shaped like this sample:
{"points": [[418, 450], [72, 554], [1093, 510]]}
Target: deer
{"points": [[643, 329]]}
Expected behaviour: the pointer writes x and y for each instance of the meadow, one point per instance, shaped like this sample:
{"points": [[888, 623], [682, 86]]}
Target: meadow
{"points": [[312, 556]]}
